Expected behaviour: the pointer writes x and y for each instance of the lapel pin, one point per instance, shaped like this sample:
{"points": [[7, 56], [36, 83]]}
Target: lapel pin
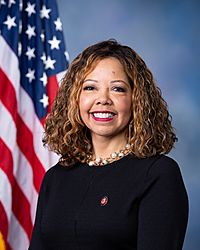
{"points": [[104, 201]]}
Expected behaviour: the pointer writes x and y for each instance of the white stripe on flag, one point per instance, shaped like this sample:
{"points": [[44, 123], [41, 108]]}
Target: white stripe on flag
{"points": [[60, 76], [5, 194], [17, 238], [47, 158], [22, 170], [10, 65]]}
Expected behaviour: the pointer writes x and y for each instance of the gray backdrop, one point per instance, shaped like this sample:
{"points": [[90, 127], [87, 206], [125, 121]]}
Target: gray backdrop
{"points": [[166, 34]]}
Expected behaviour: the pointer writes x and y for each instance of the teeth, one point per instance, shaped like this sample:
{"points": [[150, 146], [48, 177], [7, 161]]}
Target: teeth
{"points": [[103, 115]]}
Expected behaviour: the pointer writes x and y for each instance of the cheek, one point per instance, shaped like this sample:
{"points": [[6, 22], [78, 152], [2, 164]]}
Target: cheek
{"points": [[125, 107], [84, 104]]}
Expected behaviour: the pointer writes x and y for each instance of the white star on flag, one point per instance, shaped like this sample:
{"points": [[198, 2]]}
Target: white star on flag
{"points": [[49, 63], [20, 5], [30, 31], [66, 55], [30, 75], [45, 100], [54, 43], [10, 22], [19, 49], [30, 53], [58, 24], [43, 79], [42, 36], [44, 12], [20, 26], [3, 2], [43, 57], [30, 9], [11, 2]]}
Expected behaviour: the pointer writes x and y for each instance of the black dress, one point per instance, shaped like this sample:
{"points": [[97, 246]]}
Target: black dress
{"points": [[127, 205]]}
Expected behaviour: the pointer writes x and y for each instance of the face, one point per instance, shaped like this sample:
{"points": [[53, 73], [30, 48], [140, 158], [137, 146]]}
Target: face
{"points": [[105, 99]]}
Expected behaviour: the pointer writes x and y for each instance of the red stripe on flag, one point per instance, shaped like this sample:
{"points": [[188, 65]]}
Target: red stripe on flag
{"points": [[52, 86], [20, 204], [27, 149], [24, 135], [4, 225]]}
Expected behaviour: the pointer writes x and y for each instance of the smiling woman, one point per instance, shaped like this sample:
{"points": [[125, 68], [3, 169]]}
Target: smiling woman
{"points": [[114, 187], [150, 126]]}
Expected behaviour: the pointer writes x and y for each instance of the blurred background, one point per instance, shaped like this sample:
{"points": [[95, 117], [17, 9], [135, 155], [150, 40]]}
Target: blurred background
{"points": [[166, 34]]}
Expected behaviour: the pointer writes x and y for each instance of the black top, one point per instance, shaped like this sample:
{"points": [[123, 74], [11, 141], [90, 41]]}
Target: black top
{"points": [[126, 205]]}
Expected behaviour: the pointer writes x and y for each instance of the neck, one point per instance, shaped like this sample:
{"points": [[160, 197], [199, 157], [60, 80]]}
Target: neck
{"points": [[105, 146]]}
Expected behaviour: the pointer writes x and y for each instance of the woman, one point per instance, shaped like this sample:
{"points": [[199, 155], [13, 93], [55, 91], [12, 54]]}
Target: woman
{"points": [[114, 187]]}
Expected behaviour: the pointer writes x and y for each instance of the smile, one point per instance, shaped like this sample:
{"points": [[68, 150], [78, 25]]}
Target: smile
{"points": [[103, 115]]}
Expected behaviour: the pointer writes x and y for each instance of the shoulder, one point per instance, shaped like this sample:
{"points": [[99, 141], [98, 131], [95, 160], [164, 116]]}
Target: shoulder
{"points": [[159, 164], [163, 165], [156, 171], [163, 179], [51, 171], [164, 175], [54, 173]]}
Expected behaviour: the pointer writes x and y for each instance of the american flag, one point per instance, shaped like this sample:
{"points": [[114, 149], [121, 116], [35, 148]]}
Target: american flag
{"points": [[32, 62]]}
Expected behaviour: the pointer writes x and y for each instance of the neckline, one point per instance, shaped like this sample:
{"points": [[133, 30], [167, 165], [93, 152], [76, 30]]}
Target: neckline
{"points": [[109, 165]]}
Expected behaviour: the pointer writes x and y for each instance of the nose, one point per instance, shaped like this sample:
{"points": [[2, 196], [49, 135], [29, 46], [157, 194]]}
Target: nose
{"points": [[104, 98]]}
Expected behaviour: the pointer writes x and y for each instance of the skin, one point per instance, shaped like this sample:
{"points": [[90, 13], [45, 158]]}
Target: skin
{"points": [[106, 90]]}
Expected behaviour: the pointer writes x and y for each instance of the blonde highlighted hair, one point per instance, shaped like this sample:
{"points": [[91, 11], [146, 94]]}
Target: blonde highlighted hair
{"points": [[152, 132]]}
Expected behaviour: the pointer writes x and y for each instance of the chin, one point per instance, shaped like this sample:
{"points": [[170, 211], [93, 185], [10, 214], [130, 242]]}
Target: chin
{"points": [[108, 133]]}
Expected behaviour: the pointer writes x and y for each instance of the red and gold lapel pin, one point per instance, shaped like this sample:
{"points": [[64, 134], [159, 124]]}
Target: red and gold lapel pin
{"points": [[104, 201]]}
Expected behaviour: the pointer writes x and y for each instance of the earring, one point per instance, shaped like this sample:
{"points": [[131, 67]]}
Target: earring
{"points": [[130, 132]]}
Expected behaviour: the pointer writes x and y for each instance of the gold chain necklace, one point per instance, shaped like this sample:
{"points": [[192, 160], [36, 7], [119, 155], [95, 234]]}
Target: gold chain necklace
{"points": [[113, 157]]}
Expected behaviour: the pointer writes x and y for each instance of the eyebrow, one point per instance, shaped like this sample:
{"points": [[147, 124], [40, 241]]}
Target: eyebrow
{"points": [[89, 80], [119, 81], [113, 81]]}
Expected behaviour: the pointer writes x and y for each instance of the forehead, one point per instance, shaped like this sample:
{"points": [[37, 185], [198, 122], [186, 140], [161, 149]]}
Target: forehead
{"points": [[104, 64]]}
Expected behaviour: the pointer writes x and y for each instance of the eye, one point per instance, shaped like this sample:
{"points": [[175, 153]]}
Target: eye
{"points": [[89, 88], [119, 89]]}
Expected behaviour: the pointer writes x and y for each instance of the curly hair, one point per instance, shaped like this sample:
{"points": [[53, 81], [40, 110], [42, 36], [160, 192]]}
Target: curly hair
{"points": [[152, 132]]}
